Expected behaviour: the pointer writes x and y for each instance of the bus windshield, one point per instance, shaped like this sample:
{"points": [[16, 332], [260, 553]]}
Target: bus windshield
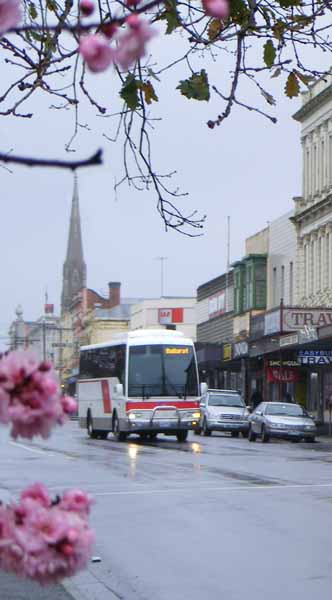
{"points": [[162, 370]]}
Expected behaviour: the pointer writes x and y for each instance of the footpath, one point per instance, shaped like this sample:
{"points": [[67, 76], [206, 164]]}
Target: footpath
{"points": [[13, 588]]}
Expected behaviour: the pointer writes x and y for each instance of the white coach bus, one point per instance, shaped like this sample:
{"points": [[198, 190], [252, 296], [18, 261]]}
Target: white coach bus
{"points": [[143, 382]]}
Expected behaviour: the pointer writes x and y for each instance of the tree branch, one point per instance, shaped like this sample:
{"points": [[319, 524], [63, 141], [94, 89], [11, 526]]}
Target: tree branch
{"points": [[94, 159]]}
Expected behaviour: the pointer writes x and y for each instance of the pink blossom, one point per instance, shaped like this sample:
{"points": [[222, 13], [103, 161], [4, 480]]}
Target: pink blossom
{"points": [[38, 493], [131, 43], [69, 405], [44, 543], [4, 403], [77, 501], [10, 14], [96, 52], [86, 7], [30, 397], [217, 8]]}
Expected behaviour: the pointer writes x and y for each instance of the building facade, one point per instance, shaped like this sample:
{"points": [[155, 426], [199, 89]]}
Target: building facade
{"points": [[313, 209], [281, 262], [169, 312]]}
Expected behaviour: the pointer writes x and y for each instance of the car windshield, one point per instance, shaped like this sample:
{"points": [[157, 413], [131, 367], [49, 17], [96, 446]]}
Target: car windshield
{"points": [[225, 400], [287, 410]]}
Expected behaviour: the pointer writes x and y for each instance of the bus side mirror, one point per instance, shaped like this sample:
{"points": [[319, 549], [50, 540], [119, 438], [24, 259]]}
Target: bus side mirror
{"points": [[118, 389], [204, 388]]}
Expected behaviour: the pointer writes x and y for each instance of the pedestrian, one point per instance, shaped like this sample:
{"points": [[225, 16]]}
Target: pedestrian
{"points": [[288, 397], [256, 398]]}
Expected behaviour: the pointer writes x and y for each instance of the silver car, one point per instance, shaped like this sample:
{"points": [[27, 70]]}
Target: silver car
{"points": [[223, 410], [281, 420]]}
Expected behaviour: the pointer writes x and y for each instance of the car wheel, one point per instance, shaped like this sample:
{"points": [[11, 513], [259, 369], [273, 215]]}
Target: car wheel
{"points": [[103, 435], [244, 434], [310, 440], [152, 436], [197, 431], [206, 431], [92, 433], [251, 435], [265, 436], [182, 436], [235, 434], [121, 436]]}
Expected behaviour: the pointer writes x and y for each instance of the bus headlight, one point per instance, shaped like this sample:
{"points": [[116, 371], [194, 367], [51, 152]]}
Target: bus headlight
{"points": [[133, 416]]}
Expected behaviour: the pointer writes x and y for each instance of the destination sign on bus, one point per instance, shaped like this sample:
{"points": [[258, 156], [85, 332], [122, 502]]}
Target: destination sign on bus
{"points": [[176, 351]]}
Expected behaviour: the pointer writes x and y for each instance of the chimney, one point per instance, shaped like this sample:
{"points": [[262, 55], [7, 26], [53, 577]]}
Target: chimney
{"points": [[114, 293]]}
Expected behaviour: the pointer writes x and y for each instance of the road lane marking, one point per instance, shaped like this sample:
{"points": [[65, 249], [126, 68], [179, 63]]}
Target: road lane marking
{"points": [[43, 451], [31, 449], [238, 488]]}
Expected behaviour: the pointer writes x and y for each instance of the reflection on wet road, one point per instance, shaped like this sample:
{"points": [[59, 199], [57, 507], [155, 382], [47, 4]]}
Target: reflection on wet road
{"points": [[211, 518]]}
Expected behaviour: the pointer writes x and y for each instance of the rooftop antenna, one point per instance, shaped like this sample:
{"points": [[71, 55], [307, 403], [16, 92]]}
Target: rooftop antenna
{"points": [[162, 260]]}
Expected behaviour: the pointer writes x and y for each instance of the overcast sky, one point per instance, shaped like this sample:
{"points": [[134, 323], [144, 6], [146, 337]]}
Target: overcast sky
{"points": [[248, 169]]}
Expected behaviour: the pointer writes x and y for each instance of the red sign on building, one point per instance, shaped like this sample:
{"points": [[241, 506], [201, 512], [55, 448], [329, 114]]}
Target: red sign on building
{"points": [[275, 375], [166, 316]]}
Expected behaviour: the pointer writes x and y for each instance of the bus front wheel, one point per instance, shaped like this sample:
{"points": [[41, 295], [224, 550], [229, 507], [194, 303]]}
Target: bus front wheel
{"points": [[121, 436], [182, 436]]}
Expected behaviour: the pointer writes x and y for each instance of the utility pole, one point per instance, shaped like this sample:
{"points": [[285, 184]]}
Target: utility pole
{"points": [[44, 338], [228, 252], [162, 260]]}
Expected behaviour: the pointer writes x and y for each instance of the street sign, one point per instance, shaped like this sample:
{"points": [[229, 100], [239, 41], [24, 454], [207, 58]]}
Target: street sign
{"points": [[64, 345]]}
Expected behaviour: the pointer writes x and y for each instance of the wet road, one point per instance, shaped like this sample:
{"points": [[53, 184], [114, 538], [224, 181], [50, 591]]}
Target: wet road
{"points": [[213, 518]]}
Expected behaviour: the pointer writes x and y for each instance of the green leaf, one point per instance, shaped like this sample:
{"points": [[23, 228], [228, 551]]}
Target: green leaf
{"points": [[278, 29], [50, 45], [32, 11], [149, 92], [51, 5], [196, 87], [239, 12], [269, 53], [36, 36], [129, 92], [292, 87], [170, 15], [289, 3], [214, 29]]}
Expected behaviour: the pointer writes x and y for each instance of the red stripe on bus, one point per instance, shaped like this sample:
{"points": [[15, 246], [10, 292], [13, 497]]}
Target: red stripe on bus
{"points": [[140, 405], [106, 397]]}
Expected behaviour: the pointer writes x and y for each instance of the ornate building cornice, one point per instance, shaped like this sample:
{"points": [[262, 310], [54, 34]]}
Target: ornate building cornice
{"points": [[312, 105]]}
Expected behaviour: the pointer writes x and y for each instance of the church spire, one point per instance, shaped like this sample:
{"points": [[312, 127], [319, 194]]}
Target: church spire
{"points": [[74, 268]]}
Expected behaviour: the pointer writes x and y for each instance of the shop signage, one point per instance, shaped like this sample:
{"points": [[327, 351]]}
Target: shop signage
{"points": [[217, 305], [240, 349], [167, 316], [307, 334], [315, 357], [288, 340], [300, 318], [285, 363], [274, 375], [227, 352]]}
